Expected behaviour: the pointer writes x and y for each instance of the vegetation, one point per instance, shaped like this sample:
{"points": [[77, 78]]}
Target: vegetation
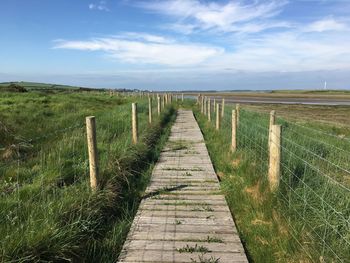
{"points": [[47, 210], [306, 220], [38, 87], [330, 119], [193, 249]]}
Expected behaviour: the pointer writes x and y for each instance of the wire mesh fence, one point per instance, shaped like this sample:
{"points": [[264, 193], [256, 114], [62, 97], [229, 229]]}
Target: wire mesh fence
{"points": [[37, 185], [65, 148], [314, 185]]}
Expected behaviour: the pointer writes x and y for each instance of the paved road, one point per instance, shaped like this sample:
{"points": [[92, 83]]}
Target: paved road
{"points": [[271, 100], [183, 216]]}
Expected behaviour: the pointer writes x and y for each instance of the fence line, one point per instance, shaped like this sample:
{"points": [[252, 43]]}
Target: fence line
{"points": [[31, 158], [313, 175]]}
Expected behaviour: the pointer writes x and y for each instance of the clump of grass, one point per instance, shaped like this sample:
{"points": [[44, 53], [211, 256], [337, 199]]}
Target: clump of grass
{"points": [[191, 152], [194, 169], [203, 259], [178, 222], [209, 239], [203, 208], [193, 249], [179, 145]]}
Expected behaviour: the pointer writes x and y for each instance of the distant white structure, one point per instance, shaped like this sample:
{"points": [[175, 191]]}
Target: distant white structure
{"points": [[325, 85]]}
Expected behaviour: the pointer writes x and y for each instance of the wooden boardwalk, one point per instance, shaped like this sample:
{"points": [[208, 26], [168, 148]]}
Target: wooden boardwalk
{"points": [[183, 216]]}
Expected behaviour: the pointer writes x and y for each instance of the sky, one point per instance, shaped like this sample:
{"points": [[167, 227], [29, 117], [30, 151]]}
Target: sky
{"points": [[177, 44]]}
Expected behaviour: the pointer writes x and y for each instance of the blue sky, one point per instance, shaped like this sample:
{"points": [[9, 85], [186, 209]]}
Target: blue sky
{"points": [[177, 44]]}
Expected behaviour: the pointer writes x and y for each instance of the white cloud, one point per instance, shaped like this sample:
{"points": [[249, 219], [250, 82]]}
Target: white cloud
{"points": [[145, 37], [146, 49], [242, 35], [288, 51], [284, 51], [101, 6], [327, 24], [226, 17]]}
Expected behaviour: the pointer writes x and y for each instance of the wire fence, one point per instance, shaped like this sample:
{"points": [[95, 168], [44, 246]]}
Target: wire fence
{"points": [[314, 185], [60, 157]]}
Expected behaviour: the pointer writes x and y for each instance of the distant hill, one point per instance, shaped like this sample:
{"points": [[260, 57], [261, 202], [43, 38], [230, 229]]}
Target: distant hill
{"points": [[48, 87], [38, 86]]}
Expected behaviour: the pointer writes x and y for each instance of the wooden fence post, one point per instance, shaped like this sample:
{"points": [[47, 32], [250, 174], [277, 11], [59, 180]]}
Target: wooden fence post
{"points": [[209, 110], [237, 109], [158, 105], [163, 102], [92, 148], [223, 108], [217, 116], [150, 110], [272, 122], [202, 104], [134, 122], [205, 105], [234, 131], [182, 97], [275, 157], [214, 104]]}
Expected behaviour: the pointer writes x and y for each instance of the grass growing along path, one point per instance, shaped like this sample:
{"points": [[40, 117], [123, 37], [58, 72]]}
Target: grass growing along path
{"points": [[47, 210], [261, 229], [306, 220]]}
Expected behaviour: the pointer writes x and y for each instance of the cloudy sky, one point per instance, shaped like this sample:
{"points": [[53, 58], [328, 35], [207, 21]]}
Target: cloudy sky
{"points": [[177, 44]]}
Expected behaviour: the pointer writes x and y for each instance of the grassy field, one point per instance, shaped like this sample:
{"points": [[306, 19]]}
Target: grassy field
{"points": [[307, 219], [43, 87], [331, 119], [48, 212]]}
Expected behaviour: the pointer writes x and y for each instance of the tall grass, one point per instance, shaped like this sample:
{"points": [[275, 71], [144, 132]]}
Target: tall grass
{"points": [[47, 211], [308, 218]]}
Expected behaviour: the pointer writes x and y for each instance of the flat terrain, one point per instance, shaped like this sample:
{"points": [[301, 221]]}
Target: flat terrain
{"points": [[283, 97], [326, 116], [48, 212]]}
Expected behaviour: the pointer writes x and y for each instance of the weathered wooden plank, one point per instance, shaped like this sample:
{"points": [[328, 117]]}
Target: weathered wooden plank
{"points": [[174, 256], [180, 245]]}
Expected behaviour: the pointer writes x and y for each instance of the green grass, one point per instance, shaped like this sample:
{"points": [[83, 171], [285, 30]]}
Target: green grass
{"points": [[47, 210], [209, 239], [307, 219], [34, 86], [193, 249]]}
